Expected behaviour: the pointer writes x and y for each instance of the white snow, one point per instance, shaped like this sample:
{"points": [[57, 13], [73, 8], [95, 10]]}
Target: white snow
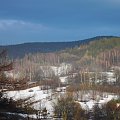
{"points": [[88, 105], [64, 68], [38, 95], [45, 98], [64, 79]]}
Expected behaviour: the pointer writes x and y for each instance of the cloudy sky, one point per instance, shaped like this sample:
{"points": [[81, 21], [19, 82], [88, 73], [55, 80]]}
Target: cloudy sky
{"points": [[57, 20]]}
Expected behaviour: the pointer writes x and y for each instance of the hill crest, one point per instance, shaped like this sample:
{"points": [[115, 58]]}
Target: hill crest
{"points": [[19, 50]]}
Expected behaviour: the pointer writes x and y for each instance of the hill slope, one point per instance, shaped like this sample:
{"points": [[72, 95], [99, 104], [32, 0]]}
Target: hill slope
{"points": [[44, 47], [105, 52]]}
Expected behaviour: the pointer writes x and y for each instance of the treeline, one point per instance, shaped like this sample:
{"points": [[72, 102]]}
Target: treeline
{"points": [[99, 88], [37, 66]]}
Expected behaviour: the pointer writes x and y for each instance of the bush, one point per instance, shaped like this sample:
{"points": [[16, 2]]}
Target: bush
{"points": [[68, 109]]}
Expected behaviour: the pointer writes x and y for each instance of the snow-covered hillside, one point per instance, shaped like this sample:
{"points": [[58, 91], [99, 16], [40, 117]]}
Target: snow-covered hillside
{"points": [[35, 93], [46, 98], [41, 98]]}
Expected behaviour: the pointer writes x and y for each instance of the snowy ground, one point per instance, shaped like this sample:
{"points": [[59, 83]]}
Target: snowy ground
{"points": [[37, 95], [64, 79], [45, 98], [110, 78], [88, 105]]}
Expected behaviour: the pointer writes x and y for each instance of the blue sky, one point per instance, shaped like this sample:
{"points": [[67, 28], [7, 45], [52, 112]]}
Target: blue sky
{"points": [[57, 20]]}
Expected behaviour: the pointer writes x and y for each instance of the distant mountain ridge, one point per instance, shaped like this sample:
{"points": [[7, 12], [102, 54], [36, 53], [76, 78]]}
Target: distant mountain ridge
{"points": [[20, 50]]}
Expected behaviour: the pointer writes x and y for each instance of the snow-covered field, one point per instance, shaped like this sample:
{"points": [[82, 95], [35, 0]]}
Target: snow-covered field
{"points": [[42, 98], [36, 94], [45, 98], [88, 105]]}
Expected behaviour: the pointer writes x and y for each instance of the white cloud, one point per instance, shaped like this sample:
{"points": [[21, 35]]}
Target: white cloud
{"points": [[20, 25]]}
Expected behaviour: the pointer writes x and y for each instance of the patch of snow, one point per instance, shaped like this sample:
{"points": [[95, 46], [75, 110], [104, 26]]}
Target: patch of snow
{"points": [[88, 105], [42, 96], [62, 69], [64, 79]]}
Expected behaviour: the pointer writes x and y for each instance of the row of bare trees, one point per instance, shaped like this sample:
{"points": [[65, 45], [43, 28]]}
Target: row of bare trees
{"points": [[36, 67]]}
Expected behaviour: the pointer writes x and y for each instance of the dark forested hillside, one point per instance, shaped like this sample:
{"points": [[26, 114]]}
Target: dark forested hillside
{"points": [[20, 50]]}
